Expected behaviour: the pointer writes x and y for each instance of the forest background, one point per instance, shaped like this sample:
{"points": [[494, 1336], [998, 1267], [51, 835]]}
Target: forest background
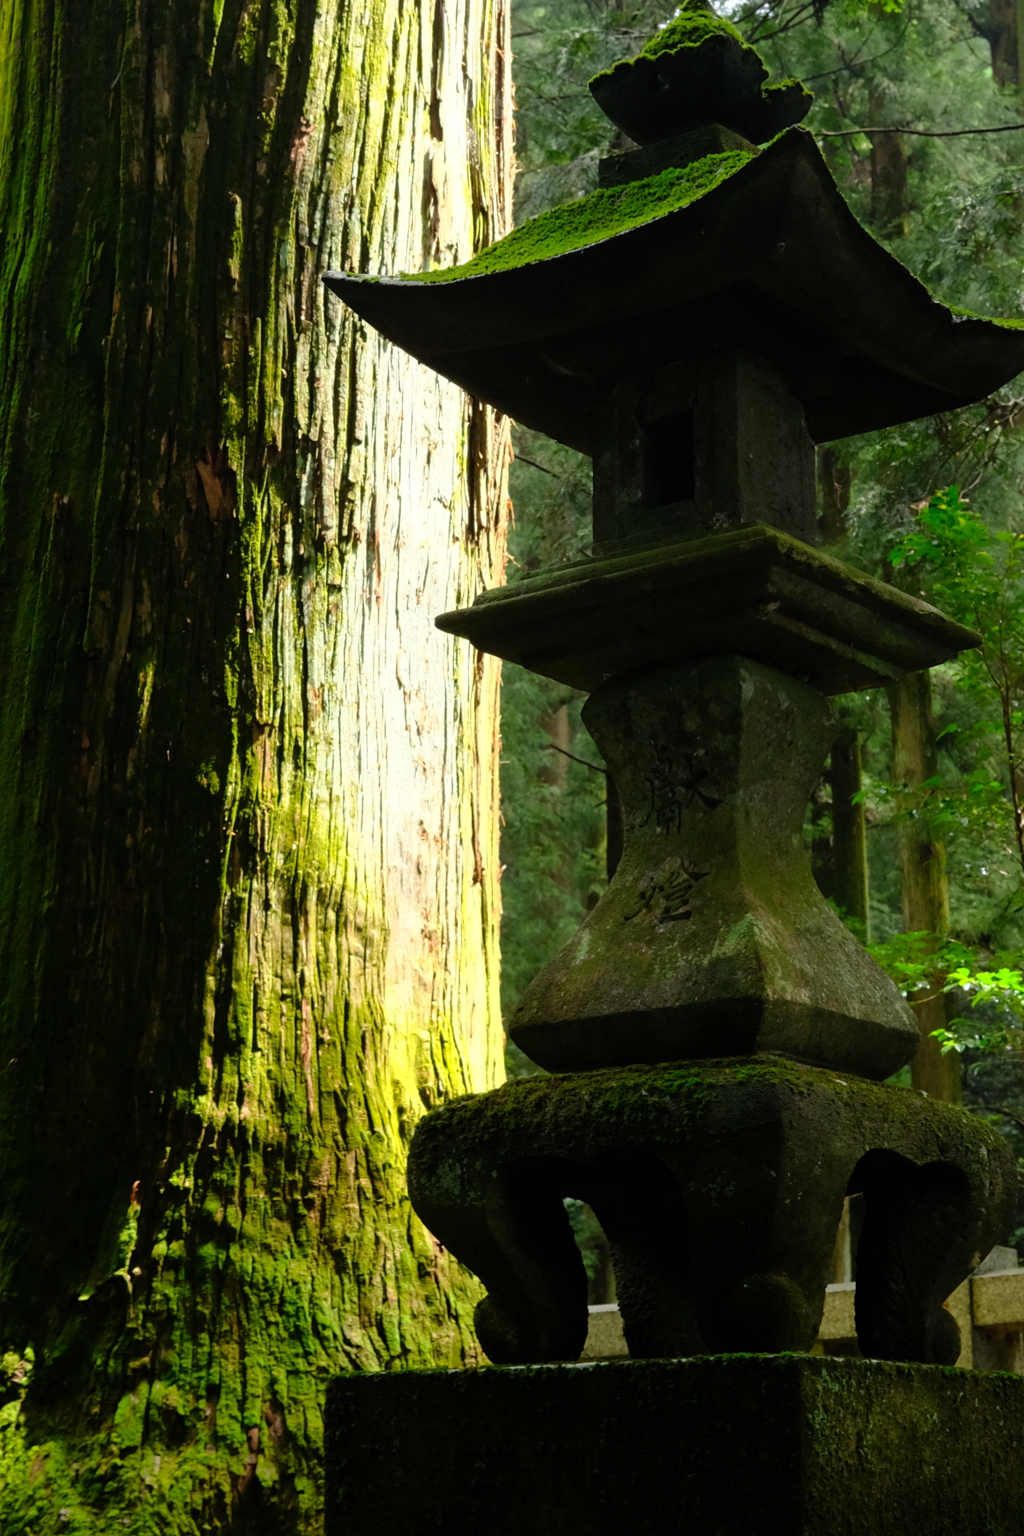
{"points": [[915, 829]]}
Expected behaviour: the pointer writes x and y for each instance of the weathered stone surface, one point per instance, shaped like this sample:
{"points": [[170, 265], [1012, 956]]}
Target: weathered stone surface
{"points": [[837, 1321], [746, 1162], [988, 1309], [712, 444], [780, 1445], [998, 1300], [754, 592], [712, 938], [605, 1339]]}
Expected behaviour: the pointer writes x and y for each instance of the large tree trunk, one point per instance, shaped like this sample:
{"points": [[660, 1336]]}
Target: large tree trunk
{"points": [[839, 859], [247, 824], [922, 858], [849, 833], [922, 873], [999, 23], [838, 834]]}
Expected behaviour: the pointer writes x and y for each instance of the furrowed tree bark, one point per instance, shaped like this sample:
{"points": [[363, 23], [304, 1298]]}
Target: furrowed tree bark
{"points": [[923, 873], [248, 866]]}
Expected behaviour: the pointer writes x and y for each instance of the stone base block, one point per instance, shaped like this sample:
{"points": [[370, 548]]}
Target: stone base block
{"points": [[723, 1445]]}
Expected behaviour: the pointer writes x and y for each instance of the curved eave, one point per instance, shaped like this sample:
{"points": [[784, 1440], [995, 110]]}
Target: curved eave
{"points": [[769, 261]]}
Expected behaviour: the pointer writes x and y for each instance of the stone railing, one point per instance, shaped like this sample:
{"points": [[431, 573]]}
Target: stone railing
{"points": [[988, 1308]]}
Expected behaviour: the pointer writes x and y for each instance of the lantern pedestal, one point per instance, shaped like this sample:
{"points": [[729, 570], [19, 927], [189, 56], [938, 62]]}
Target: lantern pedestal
{"points": [[719, 1186], [781, 1444]]}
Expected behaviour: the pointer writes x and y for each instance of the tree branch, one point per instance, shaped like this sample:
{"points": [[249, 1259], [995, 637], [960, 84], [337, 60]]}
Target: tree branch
{"points": [[596, 768], [1010, 1114], [918, 133]]}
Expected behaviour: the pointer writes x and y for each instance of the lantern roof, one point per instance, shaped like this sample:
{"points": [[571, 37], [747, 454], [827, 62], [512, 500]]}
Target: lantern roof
{"points": [[697, 70], [745, 250]]}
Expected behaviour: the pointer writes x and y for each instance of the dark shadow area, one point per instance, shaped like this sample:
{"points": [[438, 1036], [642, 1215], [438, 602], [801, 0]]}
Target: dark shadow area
{"points": [[669, 469]]}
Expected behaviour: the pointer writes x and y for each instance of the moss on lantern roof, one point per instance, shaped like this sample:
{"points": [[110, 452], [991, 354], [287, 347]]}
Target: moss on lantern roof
{"points": [[598, 216], [959, 313], [698, 69], [689, 29]]}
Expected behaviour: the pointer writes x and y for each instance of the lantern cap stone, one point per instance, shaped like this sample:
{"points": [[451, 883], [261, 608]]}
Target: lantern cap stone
{"points": [[738, 251], [697, 70]]}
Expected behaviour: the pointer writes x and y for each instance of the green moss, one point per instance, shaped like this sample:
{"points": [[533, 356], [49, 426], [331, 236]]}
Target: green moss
{"points": [[688, 31], [959, 313], [578, 1103], [577, 1109], [599, 216]]}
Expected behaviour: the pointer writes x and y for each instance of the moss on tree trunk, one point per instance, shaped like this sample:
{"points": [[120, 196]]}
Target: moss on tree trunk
{"points": [[248, 873]]}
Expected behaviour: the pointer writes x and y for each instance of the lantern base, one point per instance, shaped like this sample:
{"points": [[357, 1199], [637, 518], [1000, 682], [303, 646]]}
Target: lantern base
{"points": [[788, 1445], [719, 1186]]}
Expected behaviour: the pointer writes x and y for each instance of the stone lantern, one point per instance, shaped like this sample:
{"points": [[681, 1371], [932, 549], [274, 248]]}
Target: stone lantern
{"points": [[718, 1039]]}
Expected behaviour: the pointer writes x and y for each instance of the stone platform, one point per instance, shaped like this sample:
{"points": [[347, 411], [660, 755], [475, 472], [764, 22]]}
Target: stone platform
{"points": [[724, 1445]]}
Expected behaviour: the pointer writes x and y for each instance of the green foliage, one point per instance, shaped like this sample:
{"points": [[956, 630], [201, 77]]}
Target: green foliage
{"points": [[552, 809], [971, 568], [930, 68], [560, 130], [915, 960], [998, 1028], [976, 574], [922, 963], [920, 65]]}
